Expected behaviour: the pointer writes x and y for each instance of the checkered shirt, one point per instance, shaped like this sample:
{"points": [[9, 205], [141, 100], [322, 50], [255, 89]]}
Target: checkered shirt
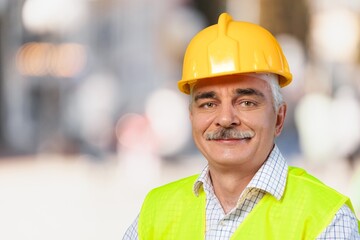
{"points": [[271, 179]]}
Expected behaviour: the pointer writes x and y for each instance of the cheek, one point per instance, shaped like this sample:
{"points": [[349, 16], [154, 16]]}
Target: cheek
{"points": [[268, 124], [199, 125], [200, 122], [260, 121]]}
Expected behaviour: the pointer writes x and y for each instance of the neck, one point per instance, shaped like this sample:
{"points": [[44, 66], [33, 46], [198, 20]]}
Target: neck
{"points": [[228, 186]]}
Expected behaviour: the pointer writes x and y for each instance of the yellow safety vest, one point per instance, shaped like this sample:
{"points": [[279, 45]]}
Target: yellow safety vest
{"points": [[305, 210]]}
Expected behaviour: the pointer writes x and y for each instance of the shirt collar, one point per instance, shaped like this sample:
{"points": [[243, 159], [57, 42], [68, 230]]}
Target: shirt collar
{"points": [[271, 177]]}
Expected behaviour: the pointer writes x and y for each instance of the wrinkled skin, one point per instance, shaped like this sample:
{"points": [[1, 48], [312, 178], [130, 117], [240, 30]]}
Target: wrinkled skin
{"points": [[242, 103]]}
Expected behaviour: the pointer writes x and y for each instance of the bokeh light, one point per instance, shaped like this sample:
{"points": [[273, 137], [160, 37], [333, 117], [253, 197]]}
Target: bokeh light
{"points": [[91, 120], [168, 115], [57, 16], [41, 59], [335, 35]]}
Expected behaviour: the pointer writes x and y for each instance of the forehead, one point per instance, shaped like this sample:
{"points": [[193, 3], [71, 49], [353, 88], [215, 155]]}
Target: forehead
{"points": [[231, 82]]}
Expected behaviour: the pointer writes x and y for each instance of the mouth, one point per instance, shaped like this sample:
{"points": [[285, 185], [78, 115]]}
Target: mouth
{"points": [[229, 140]]}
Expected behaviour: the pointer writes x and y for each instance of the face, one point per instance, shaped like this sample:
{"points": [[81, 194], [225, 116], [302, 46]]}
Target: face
{"points": [[234, 123]]}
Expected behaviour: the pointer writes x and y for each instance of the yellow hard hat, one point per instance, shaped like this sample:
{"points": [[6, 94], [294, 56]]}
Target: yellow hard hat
{"points": [[232, 47]]}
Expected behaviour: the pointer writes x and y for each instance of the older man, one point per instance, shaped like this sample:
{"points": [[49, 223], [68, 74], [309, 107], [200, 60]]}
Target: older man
{"points": [[233, 72]]}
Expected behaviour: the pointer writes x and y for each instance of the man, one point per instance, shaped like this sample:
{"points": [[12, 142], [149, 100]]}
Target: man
{"points": [[233, 72]]}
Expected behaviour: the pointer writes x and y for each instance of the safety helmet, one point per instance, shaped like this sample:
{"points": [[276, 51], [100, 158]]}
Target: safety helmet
{"points": [[232, 47]]}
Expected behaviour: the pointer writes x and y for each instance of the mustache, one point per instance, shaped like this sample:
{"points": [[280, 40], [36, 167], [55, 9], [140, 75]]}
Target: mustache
{"points": [[229, 133]]}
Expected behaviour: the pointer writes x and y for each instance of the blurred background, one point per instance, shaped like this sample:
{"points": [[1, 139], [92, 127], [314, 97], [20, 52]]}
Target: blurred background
{"points": [[91, 118]]}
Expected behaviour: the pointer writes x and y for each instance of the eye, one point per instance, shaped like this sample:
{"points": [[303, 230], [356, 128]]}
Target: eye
{"points": [[208, 105], [247, 104]]}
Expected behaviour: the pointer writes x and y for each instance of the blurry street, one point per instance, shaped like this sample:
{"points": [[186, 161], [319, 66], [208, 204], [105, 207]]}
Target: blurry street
{"points": [[56, 197], [90, 110], [79, 198]]}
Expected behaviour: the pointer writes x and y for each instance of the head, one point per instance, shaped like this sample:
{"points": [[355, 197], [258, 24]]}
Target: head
{"points": [[235, 119], [233, 72]]}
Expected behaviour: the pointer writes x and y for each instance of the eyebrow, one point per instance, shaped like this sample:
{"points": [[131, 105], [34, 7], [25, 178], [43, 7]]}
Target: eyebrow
{"points": [[205, 95], [249, 92], [239, 92]]}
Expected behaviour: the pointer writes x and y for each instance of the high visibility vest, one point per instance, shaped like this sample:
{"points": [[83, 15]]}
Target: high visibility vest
{"points": [[305, 210]]}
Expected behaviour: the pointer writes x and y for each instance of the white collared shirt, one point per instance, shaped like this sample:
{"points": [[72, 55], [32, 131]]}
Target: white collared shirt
{"points": [[271, 179]]}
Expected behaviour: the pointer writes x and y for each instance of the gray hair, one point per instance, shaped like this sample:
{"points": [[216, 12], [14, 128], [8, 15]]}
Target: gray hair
{"points": [[276, 93]]}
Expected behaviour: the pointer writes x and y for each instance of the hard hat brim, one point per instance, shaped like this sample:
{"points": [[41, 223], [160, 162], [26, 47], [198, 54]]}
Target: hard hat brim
{"points": [[184, 85]]}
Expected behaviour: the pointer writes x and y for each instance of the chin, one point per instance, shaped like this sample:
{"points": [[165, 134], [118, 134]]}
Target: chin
{"points": [[230, 157]]}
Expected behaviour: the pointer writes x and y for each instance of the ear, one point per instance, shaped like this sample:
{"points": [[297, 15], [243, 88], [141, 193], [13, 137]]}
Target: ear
{"points": [[280, 119]]}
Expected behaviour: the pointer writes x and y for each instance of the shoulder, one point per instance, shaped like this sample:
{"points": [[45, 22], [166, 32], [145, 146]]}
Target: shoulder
{"points": [[344, 222], [308, 181], [168, 198], [184, 182], [181, 186], [304, 185], [304, 191]]}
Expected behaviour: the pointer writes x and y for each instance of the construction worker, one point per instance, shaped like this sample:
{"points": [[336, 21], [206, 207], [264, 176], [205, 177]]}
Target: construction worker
{"points": [[233, 72]]}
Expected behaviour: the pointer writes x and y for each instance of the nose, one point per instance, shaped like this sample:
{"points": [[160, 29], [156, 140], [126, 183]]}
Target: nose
{"points": [[227, 117]]}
